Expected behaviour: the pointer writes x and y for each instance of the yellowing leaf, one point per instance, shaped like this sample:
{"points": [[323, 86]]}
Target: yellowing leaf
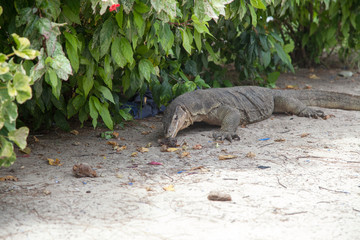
{"points": [[169, 188], [134, 154], [142, 149], [26, 150], [172, 149], [74, 132], [55, 162], [313, 76], [225, 157], [8, 178]]}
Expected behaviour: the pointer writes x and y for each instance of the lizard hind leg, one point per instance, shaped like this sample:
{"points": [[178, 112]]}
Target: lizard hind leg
{"points": [[295, 106]]}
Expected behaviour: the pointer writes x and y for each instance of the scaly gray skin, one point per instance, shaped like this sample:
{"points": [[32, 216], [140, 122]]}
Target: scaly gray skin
{"points": [[231, 107]]}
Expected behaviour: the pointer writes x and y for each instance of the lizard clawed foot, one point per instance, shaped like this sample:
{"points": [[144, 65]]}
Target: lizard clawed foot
{"points": [[225, 135], [311, 113]]}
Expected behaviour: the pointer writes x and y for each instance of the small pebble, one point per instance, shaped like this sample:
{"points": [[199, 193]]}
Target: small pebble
{"points": [[219, 196]]}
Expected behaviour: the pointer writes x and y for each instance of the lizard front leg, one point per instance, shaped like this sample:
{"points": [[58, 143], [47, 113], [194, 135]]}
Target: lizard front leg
{"points": [[230, 119]]}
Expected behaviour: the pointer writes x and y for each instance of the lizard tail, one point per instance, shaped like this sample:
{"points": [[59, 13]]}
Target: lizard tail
{"points": [[324, 99]]}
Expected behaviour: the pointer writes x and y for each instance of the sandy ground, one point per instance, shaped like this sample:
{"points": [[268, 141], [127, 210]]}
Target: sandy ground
{"points": [[301, 183]]}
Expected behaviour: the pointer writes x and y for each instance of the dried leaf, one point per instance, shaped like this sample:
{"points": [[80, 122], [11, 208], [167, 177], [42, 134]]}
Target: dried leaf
{"points": [[55, 162], [225, 157], [134, 154], [279, 140], [290, 87], [169, 188], [115, 134], [26, 150], [184, 154], [308, 87], [36, 139], [8, 178], [142, 149], [250, 155], [149, 189], [304, 135], [145, 132], [197, 147], [74, 132], [313, 76], [119, 149], [196, 168], [172, 149], [113, 143]]}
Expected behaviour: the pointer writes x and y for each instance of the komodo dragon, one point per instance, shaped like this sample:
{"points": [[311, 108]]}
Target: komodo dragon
{"points": [[231, 107]]}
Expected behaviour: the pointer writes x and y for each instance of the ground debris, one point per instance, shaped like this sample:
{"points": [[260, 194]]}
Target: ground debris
{"points": [[84, 170], [219, 196]]}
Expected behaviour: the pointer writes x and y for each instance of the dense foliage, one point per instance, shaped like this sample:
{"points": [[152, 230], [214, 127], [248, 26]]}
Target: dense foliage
{"points": [[92, 56]]}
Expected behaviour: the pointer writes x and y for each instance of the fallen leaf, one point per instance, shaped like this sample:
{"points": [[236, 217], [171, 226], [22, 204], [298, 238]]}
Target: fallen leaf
{"points": [[74, 132], [326, 117], [154, 163], [279, 140], [134, 154], [55, 162], [115, 134], [84, 170], [184, 154], [46, 192], [196, 168], [119, 175], [153, 126], [8, 178], [119, 149], [197, 147], [313, 76], [36, 139], [172, 149], [142, 149], [169, 188], [26, 150], [148, 145], [113, 143], [163, 148], [290, 87], [308, 87], [225, 157], [304, 135], [149, 189], [250, 155], [145, 132]]}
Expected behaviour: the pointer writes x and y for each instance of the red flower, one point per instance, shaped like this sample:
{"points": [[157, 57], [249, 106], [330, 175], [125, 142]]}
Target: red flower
{"points": [[113, 7]]}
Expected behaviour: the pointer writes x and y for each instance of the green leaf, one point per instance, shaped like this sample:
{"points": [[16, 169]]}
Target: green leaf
{"points": [[60, 121], [283, 56], [61, 66], [265, 58], [185, 40], [69, 14], [105, 92], [126, 50], [19, 136], [108, 71], [166, 37], [139, 23], [94, 104], [106, 117], [253, 15], [52, 79], [141, 7], [106, 36], [197, 37], [273, 77], [120, 18], [145, 69], [116, 53], [258, 4], [200, 82]]}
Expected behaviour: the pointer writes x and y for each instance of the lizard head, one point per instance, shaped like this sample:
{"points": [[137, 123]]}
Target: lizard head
{"points": [[175, 120]]}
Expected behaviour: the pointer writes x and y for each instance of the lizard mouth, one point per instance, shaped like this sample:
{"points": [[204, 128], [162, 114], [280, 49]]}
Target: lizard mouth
{"points": [[178, 122]]}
